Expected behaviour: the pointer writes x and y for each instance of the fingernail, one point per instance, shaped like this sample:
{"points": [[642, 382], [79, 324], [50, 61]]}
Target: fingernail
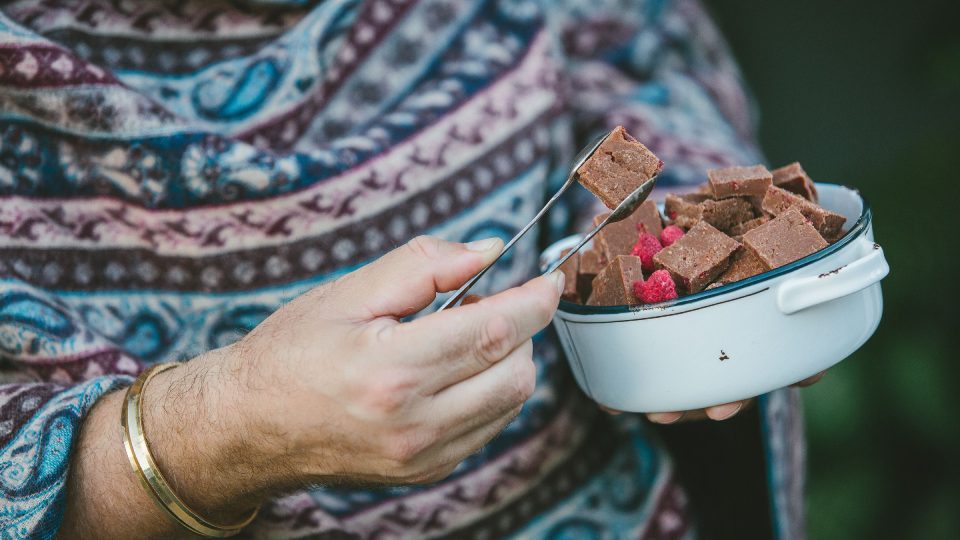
{"points": [[811, 380], [559, 279], [722, 412], [486, 244], [664, 417]]}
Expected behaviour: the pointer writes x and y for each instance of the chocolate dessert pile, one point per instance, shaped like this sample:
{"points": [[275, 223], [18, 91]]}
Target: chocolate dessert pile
{"points": [[743, 221]]}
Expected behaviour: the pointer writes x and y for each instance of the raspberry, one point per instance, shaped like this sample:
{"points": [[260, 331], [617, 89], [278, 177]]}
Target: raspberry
{"points": [[638, 288], [659, 287], [646, 247], [670, 234]]}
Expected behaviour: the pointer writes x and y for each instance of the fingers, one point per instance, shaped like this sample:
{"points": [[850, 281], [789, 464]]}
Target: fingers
{"points": [[725, 411], [459, 343], [810, 380], [407, 279], [489, 394], [470, 442], [475, 411], [665, 417], [449, 454], [494, 397], [717, 412]]}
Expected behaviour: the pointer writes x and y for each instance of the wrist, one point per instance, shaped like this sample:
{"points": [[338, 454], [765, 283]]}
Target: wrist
{"points": [[200, 438], [263, 399]]}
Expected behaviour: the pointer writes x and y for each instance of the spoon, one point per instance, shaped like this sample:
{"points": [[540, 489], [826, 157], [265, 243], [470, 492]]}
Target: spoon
{"points": [[622, 211]]}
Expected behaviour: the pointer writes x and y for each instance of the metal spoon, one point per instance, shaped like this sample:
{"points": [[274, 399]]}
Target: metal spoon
{"points": [[622, 211]]}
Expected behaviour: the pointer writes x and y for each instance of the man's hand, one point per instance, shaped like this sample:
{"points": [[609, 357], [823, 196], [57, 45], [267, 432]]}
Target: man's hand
{"points": [[340, 389], [332, 387]]}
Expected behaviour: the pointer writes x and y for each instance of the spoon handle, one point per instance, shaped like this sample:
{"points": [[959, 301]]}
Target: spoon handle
{"points": [[462, 291]]}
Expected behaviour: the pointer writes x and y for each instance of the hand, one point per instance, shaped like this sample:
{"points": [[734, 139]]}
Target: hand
{"points": [[331, 388], [717, 412], [340, 390]]}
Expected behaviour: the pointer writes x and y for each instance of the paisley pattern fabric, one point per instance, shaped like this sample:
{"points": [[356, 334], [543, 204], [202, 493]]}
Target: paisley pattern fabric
{"points": [[172, 172]]}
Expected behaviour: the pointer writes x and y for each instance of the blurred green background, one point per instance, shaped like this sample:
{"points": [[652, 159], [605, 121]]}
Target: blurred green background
{"points": [[868, 94]]}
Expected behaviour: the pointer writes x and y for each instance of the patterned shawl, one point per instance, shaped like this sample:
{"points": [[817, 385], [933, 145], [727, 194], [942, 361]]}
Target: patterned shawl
{"points": [[172, 172]]}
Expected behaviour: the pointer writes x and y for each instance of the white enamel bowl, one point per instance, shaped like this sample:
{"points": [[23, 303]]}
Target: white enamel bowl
{"points": [[737, 341]]}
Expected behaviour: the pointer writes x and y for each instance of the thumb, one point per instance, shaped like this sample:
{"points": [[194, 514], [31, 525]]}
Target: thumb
{"points": [[407, 279]]}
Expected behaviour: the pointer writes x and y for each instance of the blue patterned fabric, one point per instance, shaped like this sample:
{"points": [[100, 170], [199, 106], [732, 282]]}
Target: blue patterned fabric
{"points": [[171, 173]]}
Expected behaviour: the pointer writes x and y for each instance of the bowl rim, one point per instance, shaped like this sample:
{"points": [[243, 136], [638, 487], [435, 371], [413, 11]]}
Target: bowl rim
{"points": [[866, 216]]}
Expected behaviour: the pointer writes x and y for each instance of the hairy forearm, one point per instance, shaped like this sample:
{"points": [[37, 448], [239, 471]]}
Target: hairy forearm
{"points": [[103, 496], [197, 435]]}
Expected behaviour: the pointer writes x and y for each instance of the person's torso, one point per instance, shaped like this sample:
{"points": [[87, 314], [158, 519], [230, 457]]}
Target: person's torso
{"points": [[264, 152]]}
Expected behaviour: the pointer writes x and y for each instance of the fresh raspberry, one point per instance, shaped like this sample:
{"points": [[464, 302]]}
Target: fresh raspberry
{"points": [[646, 247], [670, 234], [638, 288], [659, 287]]}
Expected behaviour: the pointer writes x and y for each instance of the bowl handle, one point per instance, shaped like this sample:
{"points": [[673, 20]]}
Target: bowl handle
{"points": [[801, 293]]}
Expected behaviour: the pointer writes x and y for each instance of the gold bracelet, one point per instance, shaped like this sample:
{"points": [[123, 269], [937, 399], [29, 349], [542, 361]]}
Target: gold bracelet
{"points": [[138, 451]]}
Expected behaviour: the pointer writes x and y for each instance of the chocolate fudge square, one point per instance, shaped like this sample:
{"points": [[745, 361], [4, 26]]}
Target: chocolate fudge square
{"points": [[613, 286], [618, 167], [697, 258], [794, 179], [784, 239], [618, 238], [647, 218], [739, 181], [742, 228], [745, 264], [687, 210], [570, 269], [591, 263], [778, 200]]}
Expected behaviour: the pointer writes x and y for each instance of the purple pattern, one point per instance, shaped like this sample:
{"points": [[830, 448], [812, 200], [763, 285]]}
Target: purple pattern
{"points": [[119, 217], [45, 66]]}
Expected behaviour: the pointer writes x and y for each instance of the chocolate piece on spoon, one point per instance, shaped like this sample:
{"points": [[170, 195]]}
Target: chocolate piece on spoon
{"points": [[611, 185], [629, 199], [619, 166]]}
